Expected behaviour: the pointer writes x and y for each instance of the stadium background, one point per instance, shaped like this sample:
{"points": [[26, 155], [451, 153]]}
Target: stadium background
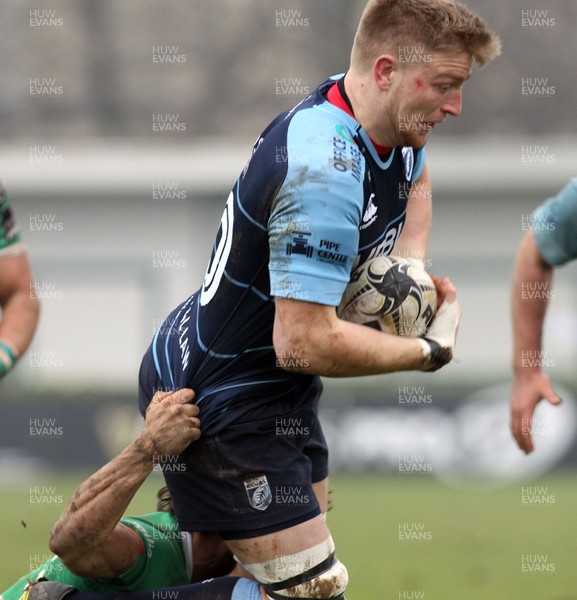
{"points": [[124, 125]]}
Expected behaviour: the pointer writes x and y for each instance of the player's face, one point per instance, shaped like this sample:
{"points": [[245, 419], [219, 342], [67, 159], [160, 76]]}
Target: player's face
{"points": [[425, 93]]}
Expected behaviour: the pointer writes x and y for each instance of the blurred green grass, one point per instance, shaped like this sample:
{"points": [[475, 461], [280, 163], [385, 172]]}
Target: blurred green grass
{"points": [[477, 539]]}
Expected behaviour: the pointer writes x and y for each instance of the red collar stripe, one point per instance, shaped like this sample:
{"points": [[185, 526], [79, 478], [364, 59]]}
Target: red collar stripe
{"points": [[335, 97]]}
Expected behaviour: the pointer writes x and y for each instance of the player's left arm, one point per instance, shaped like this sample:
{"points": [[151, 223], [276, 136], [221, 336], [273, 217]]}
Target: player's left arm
{"points": [[414, 238], [88, 537], [20, 309]]}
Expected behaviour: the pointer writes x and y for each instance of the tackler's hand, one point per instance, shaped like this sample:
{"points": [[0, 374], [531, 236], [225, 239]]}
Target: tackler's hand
{"points": [[171, 423]]}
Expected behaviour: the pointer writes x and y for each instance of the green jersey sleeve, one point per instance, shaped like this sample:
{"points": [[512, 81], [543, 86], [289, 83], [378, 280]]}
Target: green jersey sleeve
{"points": [[162, 562], [165, 561], [10, 239]]}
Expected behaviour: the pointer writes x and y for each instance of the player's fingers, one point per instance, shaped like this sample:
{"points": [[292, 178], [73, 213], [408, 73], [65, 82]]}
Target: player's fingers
{"points": [[448, 289], [437, 283], [522, 433], [439, 288], [191, 431], [523, 440], [445, 290], [195, 434], [544, 389], [190, 410], [182, 396], [551, 395], [527, 443], [159, 397], [526, 440]]}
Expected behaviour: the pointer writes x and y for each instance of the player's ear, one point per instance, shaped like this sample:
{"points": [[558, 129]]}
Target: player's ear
{"points": [[383, 70]]}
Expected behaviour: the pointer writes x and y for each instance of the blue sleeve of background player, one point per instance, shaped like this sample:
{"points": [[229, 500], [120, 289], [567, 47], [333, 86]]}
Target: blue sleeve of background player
{"points": [[314, 222], [554, 226]]}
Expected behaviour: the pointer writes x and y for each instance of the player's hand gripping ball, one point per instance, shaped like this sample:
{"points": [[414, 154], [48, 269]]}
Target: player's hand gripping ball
{"points": [[390, 293]]}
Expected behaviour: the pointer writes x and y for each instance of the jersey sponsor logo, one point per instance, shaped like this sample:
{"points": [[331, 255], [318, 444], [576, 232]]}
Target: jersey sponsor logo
{"points": [[370, 215], [388, 243], [329, 252], [342, 162], [300, 245], [342, 131], [409, 159], [258, 492]]}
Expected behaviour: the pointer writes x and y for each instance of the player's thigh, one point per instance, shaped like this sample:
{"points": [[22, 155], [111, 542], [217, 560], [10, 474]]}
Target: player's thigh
{"points": [[286, 542]]}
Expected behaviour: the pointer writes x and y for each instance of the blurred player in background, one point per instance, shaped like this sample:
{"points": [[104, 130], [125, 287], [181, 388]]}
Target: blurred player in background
{"points": [[98, 550], [550, 242], [20, 307], [329, 186]]}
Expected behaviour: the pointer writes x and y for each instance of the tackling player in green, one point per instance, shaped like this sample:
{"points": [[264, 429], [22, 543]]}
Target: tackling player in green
{"points": [[96, 550]]}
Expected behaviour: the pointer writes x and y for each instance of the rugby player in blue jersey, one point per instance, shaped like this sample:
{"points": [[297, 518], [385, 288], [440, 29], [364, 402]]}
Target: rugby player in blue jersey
{"points": [[336, 180], [551, 241]]}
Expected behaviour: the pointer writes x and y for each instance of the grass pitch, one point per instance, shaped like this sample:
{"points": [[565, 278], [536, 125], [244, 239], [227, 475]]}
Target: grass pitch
{"points": [[403, 537]]}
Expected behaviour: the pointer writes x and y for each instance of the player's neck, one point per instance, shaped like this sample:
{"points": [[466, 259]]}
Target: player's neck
{"points": [[358, 94]]}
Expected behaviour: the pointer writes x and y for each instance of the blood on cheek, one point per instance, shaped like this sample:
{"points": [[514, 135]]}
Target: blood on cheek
{"points": [[419, 84]]}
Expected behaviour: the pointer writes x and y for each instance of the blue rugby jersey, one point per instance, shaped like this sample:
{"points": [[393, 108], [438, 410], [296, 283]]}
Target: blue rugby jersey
{"points": [[314, 200], [554, 226]]}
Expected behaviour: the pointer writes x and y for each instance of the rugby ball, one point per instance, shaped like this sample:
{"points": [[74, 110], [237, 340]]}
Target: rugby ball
{"points": [[390, 293]]}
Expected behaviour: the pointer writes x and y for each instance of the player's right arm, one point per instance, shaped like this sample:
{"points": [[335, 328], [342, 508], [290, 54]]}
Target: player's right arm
{"points": [[88, 537], [326, 345], [530, 383], [551, 242]]}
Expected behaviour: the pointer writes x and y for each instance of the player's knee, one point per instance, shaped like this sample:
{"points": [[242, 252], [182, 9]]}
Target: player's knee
{"points": [[287, 577], [329, 585]]}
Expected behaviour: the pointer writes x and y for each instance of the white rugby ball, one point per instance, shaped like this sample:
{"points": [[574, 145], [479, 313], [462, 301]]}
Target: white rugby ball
{"points": [[390, 293]]}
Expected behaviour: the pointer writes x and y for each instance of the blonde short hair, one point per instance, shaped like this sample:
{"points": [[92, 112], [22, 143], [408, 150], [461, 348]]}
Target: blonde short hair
{"points": [[387, 25]]}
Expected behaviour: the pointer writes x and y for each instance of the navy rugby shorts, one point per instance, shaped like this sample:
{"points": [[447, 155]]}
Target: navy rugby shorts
{"points": [[255, 475]]}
